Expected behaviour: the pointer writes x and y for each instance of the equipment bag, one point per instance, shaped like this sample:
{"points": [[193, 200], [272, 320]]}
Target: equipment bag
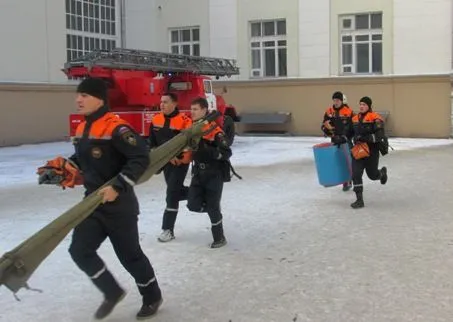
{"points": [[360, 150]]}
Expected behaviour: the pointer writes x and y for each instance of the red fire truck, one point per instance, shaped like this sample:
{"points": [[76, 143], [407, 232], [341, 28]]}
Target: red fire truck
{"points": [[138, 78]]}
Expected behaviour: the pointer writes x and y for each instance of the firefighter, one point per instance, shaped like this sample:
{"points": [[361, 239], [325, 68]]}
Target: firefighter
{"points": [[210, 169], [369, 136], [107, 147], [164, 126], [337, 124]]}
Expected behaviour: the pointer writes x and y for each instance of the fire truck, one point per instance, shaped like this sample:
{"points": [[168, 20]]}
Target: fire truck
{"points": [[137, 79]]}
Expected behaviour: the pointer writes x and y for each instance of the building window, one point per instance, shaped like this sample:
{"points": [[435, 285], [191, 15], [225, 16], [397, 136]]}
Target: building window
{"points": [[90, 25], [185, 41], [361, 44], [78, 45], [268, 48]]}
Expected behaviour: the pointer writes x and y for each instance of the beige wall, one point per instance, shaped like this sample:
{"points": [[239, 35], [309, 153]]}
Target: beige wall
{"points": [[418, 106], [347, 7], [34, 113]]}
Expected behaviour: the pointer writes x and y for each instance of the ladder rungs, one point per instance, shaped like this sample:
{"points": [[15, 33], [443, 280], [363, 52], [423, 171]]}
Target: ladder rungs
{"points": [[156, 61]]}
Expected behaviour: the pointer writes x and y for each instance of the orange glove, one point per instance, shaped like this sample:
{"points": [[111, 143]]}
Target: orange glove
{"points": [[61, 172], [184, 158]]}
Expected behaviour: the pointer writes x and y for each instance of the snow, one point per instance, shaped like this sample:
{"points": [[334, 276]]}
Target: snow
{"points": [[18, 164], [296, 251]]}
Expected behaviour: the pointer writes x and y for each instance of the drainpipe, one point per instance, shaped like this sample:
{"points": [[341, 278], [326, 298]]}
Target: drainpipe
{"points": [[123, 22], [451, 122], [451, 71]]}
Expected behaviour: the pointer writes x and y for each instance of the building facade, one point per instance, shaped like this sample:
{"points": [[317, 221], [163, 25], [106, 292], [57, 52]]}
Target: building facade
{"points": [[269, 39]]}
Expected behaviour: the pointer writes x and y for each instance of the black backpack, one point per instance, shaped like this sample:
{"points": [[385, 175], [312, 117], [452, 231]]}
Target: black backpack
{"points": [[383, 145]]}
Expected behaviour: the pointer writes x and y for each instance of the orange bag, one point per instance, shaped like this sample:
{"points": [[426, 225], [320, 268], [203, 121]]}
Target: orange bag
{"points": [[360, 150], [66, 173]]}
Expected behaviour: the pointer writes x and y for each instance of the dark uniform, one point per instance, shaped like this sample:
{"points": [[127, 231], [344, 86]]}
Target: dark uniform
{"points": [[369, 128], [105, 147], [162, 129], [209, 171], [340, 120]]}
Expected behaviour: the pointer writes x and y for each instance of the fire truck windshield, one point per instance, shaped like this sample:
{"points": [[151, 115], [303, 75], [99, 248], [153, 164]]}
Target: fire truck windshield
{"points": [[180, 86]]}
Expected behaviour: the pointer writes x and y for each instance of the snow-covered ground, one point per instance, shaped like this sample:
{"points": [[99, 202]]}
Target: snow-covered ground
{"points": [[18, 164], [296, 252]]}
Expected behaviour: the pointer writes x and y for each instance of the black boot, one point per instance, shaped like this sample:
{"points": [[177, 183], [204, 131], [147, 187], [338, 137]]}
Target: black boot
{"points": [[359, 202], [149, 310], [347, 186], [113, 293], [384, 176], [219, 243], [108, 305], [218, 236]]}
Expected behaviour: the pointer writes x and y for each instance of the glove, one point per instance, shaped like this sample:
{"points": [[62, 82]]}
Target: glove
{"points": [[184, 158], [338, 140], [60, 172], [50, 176], [327, 128]]}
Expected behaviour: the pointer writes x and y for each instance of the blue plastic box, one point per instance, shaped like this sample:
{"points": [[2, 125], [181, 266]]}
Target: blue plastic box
{"points": [[333, 164]]}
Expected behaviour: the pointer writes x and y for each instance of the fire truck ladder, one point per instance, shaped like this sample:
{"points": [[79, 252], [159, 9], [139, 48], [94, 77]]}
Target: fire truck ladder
{"points": [[129, 59]]}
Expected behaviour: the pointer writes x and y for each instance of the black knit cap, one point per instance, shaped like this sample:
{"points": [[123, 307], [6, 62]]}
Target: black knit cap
{"points": [[337, 95], [367, 101], [95, 87]]}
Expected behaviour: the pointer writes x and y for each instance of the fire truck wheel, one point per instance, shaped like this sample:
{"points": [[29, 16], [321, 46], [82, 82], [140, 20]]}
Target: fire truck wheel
{"points": [[229, 129]]}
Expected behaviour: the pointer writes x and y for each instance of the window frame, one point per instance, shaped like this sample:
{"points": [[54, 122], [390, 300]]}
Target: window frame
{"points": [[207, 86], [90, 29], [180, 44], [353, 32], [277, 39]]}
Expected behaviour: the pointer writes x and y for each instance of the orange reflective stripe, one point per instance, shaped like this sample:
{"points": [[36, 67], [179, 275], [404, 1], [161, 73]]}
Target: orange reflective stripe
{"points": [[158, 120], [343, 112], [102, 128], [376, 117], [178, 122], [79, 130], [211, 135], [346, 112], [370, 117], [330, 111]]}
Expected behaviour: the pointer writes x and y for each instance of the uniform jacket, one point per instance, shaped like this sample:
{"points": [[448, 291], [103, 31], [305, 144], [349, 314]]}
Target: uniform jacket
{"points": [[368, 127], [107, 146], [165, 127], [213, 147], [340, 119]]}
